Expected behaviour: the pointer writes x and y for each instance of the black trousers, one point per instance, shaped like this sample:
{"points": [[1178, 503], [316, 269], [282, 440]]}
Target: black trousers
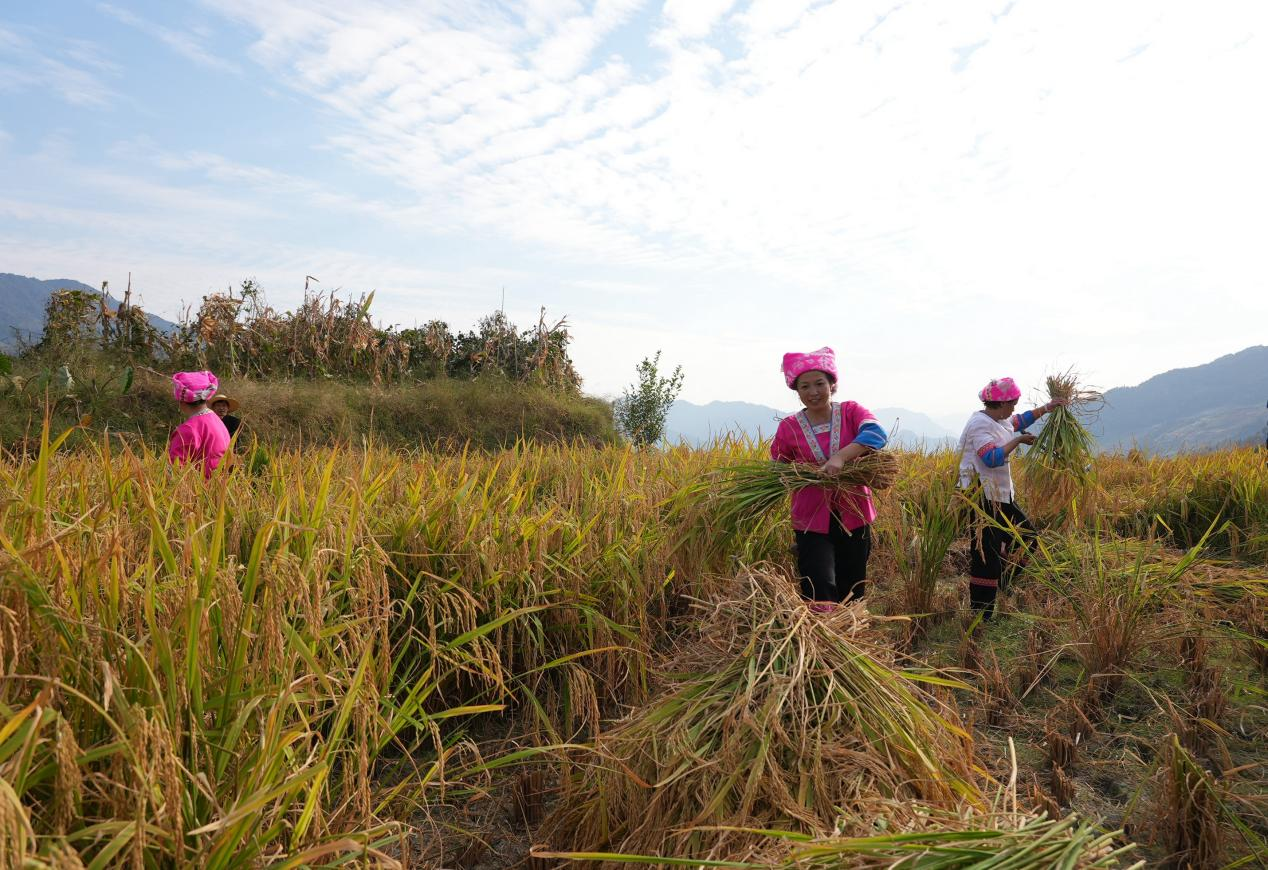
{"points": [[833, 567], [995, 551]]}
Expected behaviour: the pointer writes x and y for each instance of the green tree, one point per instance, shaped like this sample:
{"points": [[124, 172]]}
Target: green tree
{"points": [[640, 412]]}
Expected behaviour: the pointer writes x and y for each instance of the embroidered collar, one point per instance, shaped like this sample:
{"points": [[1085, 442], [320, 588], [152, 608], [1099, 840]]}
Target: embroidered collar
{"points": [[834, 439]]}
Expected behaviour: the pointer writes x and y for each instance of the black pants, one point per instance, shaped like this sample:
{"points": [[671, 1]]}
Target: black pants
{"points": [[995, 551], [833, 567]]}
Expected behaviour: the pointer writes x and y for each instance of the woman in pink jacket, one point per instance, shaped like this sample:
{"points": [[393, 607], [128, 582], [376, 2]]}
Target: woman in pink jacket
{"points": [[202, 438], [832, 528]]}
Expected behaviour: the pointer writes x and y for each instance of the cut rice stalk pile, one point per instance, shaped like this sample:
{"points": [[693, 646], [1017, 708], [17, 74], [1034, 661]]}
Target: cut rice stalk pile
{"points": [[747, 490], [1059, 466], [1008, 843], [773, 718]]}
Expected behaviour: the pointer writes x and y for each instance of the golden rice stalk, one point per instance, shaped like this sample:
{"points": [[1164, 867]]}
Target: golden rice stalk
{"points": [[774, 717], [1060, 468], [1002, 843], [747, 490]]}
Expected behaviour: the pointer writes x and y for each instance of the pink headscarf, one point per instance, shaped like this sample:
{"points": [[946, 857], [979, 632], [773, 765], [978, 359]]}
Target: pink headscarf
{"points": [[821, 360], [193, 387], [1000, 390]]}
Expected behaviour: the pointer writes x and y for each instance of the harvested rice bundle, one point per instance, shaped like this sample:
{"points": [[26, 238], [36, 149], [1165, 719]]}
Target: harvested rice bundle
{"points": [[773, 718], [999, 842], [1059, 466], [748, 490]]}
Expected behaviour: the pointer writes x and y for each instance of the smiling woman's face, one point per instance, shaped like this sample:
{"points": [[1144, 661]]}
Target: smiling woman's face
{"points": [[814, 389]]}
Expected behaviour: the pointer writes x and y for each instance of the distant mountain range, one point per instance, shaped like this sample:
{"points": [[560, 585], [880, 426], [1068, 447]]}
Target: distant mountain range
{"points": [[698, 424], [1199, 408], [1212, 405], [22, 303]]}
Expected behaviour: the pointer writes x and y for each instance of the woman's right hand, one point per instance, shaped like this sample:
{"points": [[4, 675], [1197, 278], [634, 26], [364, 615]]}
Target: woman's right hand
{"points": [[1025, 438]]}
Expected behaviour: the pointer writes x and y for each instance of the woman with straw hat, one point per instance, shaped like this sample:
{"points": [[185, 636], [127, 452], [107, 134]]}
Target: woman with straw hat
{"points": [[832, 531], [989, 439], [202, 439], [224, 408]]}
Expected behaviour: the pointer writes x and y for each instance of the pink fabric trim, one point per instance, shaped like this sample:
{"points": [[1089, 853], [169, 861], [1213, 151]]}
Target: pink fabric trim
{"points": [[983, 581], [987, 449]]}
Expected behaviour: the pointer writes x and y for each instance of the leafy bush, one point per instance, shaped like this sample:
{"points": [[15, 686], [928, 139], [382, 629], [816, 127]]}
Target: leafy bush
{"points": [[642, 408]]}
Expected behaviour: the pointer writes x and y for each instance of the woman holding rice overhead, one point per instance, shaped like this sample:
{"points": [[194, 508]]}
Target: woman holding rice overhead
{"points": [[832, 529], [202, 439], [989, 438]]}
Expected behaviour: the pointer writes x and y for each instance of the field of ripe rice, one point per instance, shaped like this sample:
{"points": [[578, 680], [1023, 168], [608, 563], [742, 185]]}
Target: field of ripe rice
{"points": [[366, 657]]}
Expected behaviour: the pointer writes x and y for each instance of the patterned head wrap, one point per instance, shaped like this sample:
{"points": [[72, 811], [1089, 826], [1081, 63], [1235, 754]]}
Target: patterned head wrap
{"points": [[797, 364], [1000, 390], [194, 387]]}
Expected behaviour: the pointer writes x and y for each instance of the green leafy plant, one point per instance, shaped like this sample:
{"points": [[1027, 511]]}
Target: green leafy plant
{"points": [[642, 409]]}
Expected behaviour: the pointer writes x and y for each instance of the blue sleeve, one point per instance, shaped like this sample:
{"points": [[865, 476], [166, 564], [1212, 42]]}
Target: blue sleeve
{"points": [[993, 458], [1023, 421], [871, 435]]}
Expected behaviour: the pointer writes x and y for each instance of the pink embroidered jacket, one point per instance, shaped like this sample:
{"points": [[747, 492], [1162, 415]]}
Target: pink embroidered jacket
{"points": [[812, 507]]}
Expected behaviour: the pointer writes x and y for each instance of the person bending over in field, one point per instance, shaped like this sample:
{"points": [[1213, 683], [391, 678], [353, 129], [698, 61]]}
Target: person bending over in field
{"points": [[989, 439], [832, 528], [202, 438]]}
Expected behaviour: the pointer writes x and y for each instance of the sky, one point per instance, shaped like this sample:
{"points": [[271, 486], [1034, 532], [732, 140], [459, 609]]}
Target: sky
{"points": [[942, 192]]}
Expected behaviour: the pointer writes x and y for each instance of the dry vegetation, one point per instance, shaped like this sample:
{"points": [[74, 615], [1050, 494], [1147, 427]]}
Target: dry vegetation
{"points": [[357, 655]]}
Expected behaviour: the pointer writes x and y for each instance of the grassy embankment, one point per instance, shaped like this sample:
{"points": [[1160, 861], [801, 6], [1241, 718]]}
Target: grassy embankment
{"points": [[486, 412], [394, 656]]}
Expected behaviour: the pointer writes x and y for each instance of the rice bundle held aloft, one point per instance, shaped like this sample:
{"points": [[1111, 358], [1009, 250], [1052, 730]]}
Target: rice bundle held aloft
{"points": [[1059, 466]]}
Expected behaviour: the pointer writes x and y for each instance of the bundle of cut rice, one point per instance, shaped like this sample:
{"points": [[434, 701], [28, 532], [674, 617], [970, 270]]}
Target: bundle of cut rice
{"points": [[747, 490], [773, 717], [1060, 474], [999, 842]]}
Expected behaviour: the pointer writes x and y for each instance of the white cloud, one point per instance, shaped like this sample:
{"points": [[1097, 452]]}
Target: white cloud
{"points": [[694, 18], [64, 67], [184, 43], [788, 173]]}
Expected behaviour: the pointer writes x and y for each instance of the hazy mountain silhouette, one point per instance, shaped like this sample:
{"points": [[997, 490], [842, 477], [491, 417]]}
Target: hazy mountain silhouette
{"points": [[1198, 408], [697, 424], [1211, 405]]}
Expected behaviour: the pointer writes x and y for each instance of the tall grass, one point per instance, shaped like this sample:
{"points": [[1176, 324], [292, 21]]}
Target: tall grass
{"points": [[1117, 589], [281, 666], [929, 518], [225, 670]]}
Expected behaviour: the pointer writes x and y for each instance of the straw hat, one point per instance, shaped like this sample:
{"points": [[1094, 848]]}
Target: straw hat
{"points": [[221, 397]]}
